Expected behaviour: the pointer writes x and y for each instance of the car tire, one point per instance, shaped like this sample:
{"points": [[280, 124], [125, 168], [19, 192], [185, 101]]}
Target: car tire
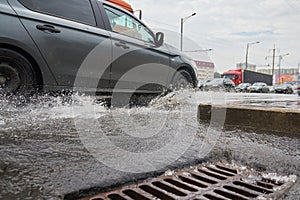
{"points": [[182, 80], [16, 73]]}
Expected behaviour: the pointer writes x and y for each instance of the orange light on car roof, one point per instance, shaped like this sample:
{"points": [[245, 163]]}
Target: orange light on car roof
{"points": [[122, 4]]}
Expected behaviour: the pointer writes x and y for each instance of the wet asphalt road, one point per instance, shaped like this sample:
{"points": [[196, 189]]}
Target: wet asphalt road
{"points": [[45, 154]]}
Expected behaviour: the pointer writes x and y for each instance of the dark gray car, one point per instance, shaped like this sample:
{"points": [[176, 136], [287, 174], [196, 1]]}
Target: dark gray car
{"points": [[220, 84], [87, 44], [243, 87], [284, 88], [259, 87]]}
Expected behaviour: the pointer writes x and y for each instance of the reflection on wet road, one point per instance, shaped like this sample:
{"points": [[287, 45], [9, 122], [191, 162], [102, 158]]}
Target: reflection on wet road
{"points": [[266, 100], [43, 155]]}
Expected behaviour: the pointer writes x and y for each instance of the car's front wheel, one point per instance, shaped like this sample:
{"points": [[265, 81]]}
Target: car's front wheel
{"points": [[16, 73], [182, 80]]}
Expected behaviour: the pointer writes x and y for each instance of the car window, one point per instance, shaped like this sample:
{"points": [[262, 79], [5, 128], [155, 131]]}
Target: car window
{"points": [[217, 81], [229, 81], [78, 10], [125, 24], [260, 84]]}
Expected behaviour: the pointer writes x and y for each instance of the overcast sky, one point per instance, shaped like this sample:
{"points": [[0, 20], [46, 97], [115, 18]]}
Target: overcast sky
{"points": [[228, 25]]}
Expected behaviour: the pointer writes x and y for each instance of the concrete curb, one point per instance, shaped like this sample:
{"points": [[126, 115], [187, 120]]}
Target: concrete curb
{"points": [[281, 121]]}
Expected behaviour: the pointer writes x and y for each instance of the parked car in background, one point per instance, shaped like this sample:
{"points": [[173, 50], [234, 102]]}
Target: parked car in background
{"points": [[220, 84], [271, 89], [243, 87], [202, 82], [285, 88], [295, 87], [259, 87]]}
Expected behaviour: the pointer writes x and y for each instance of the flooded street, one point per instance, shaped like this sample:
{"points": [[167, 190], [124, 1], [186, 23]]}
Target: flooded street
{"points": [[56, 148]]}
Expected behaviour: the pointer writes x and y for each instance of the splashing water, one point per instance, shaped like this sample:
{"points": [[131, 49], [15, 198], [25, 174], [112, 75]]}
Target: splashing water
{"points": [[43, 154]]}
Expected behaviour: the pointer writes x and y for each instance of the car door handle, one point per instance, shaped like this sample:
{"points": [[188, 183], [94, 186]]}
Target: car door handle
{"points": [[49, 28], [122, 44]]}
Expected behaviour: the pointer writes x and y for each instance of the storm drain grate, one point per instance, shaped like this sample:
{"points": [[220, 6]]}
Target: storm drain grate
{"points": [[210, 181]]}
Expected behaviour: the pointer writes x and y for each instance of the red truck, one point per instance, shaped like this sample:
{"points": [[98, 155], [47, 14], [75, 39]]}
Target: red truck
{"points": [[245, 76]]}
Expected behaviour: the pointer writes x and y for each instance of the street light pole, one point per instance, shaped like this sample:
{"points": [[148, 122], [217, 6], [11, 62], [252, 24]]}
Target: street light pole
{"points": [[181, 34], [200, 50], [181, 28], [140, 13], [298, 73], [273, 64], [279, 72], [247, 52]]}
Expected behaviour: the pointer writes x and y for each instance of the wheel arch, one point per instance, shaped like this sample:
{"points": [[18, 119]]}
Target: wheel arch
{"points": [[190, 71], [30, 58]]}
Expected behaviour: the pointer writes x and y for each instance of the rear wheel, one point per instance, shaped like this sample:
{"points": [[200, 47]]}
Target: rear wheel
{"points": [[16, 73], [182, 80]]}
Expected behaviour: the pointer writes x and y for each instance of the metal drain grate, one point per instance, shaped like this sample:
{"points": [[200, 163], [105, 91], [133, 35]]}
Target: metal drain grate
{"points": [[214, 181]]}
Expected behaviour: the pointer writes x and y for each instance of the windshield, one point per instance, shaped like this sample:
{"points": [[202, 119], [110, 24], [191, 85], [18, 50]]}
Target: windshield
{"points": [[230, 76], [124, 23], [219, 80], [258, 84], [243, 84]]}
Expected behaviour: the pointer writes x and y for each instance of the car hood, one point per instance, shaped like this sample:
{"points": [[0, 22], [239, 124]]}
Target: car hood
{"points": [[255, 87], [281, 87], [173, 51], [213, 84]]}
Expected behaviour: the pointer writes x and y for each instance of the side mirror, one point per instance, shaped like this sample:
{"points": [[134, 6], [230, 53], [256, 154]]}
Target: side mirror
{"points": [[159, 38]]}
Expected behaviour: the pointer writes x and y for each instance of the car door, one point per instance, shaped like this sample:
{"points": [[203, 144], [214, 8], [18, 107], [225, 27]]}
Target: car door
{"points": [[66, 33], [137, 62]]}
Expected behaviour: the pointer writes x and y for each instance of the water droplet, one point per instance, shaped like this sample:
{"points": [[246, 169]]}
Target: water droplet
{"points": [[2, 123]]}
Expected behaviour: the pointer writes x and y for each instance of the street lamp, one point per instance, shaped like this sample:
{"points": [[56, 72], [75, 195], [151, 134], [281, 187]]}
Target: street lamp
{"points": [[181, 27], [280, 58], [247, 51], [140, 13], [200, 50]]}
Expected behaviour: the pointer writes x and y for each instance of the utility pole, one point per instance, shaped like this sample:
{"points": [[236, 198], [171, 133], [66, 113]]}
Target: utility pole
{"points": [[273, 64]]}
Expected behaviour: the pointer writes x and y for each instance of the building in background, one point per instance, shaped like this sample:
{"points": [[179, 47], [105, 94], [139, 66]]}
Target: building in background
{"points": [[206, 68], [250, 67], [287, 74]]}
